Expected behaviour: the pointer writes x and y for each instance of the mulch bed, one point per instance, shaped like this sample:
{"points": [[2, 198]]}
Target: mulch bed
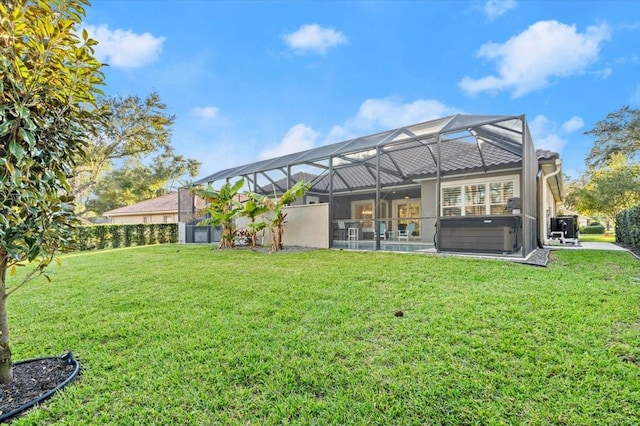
{"points": [[632, 249], [32, 379]]}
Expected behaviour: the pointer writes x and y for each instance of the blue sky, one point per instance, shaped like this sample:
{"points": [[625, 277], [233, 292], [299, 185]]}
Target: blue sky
{"points": [[249, 80]]}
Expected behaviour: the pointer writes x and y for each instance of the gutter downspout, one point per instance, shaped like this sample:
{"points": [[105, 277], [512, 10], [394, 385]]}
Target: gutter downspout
{"points": [[557, 163]]}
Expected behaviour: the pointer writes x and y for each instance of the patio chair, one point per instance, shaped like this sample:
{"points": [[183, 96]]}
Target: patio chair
{"points": [[404, 234], [342, 230], [352, 234], [383, 231]]}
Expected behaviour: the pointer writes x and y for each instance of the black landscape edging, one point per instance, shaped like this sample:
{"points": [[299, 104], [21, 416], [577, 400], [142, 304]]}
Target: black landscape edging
{"points": [[69, 360]]}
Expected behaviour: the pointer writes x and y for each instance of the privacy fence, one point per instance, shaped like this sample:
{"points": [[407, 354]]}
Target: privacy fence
{"points": [[125, 235], [628, 227]]}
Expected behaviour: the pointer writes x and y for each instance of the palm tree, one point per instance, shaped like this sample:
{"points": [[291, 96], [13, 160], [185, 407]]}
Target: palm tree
{"points": [[255, 206], [276, 224], [222, 208]]}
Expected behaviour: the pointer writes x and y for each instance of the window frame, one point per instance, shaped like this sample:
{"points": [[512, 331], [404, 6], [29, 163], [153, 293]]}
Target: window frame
{"points": [[464, 208]]}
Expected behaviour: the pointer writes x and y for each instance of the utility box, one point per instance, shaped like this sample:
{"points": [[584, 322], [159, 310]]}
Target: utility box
{"points": [[480, 234]]}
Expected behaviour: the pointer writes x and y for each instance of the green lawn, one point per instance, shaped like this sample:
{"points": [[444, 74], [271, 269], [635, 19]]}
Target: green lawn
{"points": [[609, 237], [187, 335]]}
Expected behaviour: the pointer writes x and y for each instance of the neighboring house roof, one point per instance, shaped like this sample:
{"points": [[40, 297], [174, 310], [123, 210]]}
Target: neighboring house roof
{"points": [[167, 203], [567, 212], [468, 143]]}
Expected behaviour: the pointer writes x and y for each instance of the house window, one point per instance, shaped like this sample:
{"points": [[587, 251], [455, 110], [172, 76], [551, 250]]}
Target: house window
{"points": [[145, 219], [166, 219], [500, 192], [472, 200], [363, 212], [408, 211], [452, 201], [475, 200]]}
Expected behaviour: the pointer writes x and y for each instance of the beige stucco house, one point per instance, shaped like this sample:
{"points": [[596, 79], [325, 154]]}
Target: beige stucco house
{"points": [[163, 209]]}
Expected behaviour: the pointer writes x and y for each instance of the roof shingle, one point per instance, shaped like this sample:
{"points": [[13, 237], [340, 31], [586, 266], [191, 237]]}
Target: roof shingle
{"points": [[167, 203]]}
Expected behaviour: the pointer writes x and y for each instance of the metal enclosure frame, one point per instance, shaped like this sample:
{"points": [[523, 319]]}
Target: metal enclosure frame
{"points": [[399, 159]]}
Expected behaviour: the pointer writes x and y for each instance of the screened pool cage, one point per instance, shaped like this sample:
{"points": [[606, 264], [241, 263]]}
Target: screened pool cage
{"points": [[463, 183]]}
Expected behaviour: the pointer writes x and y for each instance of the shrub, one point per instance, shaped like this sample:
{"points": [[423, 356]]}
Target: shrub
{"points": [[162, 234], [116, 236], [152, 234], [84, 238], [594, 228], [628, 226], [173, 232], [101, 233], [128, 236], [124, 235], [140, 235]]}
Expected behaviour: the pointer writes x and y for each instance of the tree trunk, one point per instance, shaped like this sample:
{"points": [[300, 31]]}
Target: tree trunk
{"points": [[280, 245], [6, 366]]}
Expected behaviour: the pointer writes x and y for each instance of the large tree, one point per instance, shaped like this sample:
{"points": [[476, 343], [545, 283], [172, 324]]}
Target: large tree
{"points": [[135, 133], [134, 181], [618, 133], [607, 190], [611, 182], [49, 79]]}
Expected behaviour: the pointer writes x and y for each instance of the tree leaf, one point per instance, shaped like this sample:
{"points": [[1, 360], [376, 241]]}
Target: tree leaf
{"points": [[28, 137], [16, 150], [4, 127], [23, 112]]}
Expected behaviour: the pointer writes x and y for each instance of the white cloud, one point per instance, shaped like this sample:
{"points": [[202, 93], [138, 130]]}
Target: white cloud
{"points": [[604, 73], [124, 48], [373, 115], [208, 112], [527, 61], [546, 135], [495, 8], [388, 113], [298, 138], [314, 38], [573, 124]]}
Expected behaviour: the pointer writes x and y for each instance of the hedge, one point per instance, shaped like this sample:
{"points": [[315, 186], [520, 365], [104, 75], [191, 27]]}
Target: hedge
{"points": [[594, 228], [113, 236], [628, 227]]}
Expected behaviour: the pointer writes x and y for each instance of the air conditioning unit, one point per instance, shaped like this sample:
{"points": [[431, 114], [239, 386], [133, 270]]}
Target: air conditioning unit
{"points": [[565, 229]]}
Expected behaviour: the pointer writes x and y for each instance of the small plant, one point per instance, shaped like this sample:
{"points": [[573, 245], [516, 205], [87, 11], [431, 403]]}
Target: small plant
{"points": [[256, 205], [222, 208], [278, 219], [243, 237]]}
